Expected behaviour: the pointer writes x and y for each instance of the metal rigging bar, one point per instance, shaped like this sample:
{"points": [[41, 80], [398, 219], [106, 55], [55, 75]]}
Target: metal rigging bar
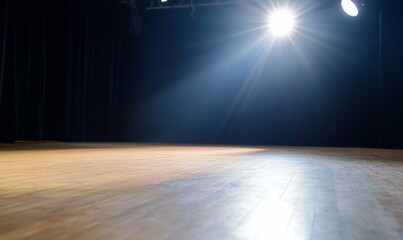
{"points": [[158, 5]]}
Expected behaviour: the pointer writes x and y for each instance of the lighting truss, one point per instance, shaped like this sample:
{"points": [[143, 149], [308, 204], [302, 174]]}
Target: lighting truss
{"points": [[172, 4]]}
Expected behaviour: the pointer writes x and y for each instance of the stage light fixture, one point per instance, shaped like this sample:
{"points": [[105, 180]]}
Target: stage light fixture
{"points": [[350, 7], [281, 22], [164, 1]]}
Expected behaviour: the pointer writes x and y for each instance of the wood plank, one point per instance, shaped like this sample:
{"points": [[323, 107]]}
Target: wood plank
{"points": [[139, 191]]}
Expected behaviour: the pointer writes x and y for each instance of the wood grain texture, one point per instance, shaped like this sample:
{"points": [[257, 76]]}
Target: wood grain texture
{"points": [[134, 191]]}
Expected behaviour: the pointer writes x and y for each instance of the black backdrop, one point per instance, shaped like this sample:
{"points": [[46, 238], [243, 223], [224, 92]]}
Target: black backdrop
{"points": [[69, 70]]}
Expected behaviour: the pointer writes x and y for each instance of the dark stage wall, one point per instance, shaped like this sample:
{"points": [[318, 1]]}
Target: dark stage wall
{"points": [[69, 70]]}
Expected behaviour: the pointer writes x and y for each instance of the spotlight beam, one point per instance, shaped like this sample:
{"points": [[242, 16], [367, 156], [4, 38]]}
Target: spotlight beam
{"points": [[349, 7], [281, 22]]}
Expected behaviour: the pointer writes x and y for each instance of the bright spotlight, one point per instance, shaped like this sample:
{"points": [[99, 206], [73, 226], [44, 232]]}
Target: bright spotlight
{"points": [[164, 1], [349, 8], [281, 22]]}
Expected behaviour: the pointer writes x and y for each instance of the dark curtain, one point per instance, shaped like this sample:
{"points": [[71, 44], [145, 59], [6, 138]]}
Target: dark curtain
{"points": [[63, 69]]}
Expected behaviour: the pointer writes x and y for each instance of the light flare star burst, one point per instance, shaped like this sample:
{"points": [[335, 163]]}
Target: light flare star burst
{"points": [[281, 22]]}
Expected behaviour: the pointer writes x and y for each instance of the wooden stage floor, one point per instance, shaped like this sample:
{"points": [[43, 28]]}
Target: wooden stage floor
{"points": [[132, 191]]}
